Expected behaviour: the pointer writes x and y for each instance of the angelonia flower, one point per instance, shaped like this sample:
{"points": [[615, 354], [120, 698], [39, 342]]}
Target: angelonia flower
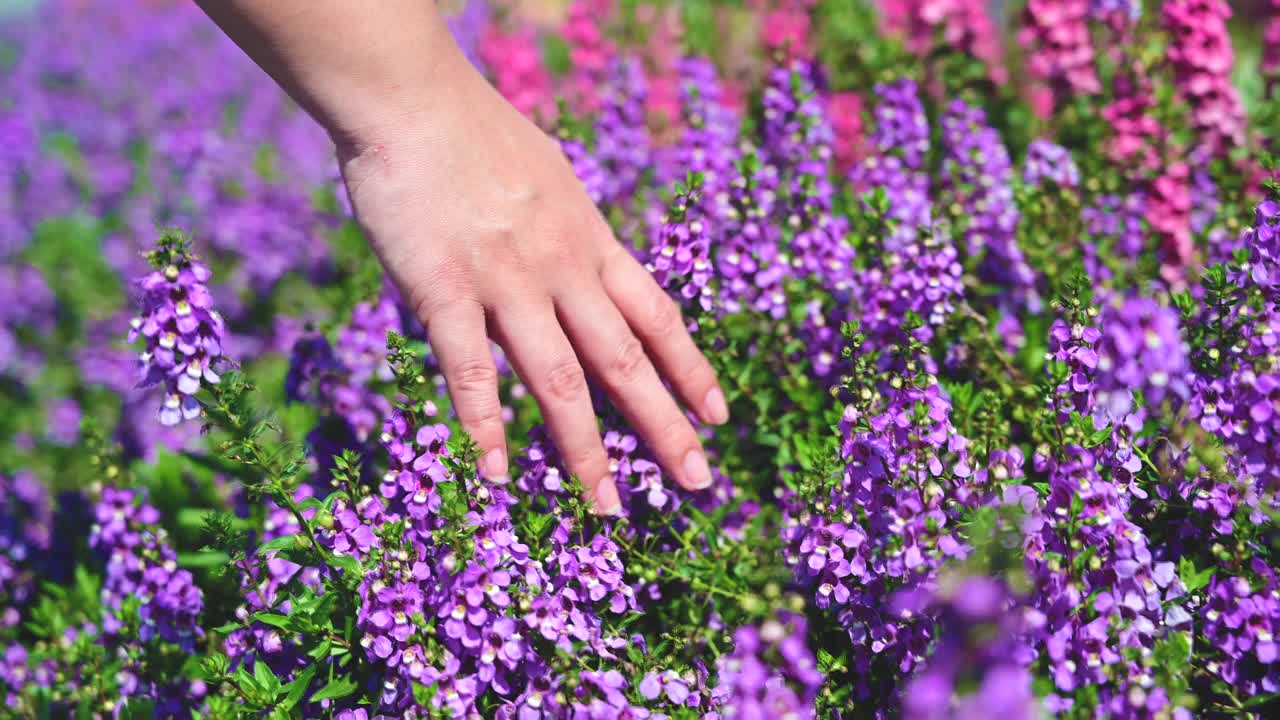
{"points": [[1241, 622], [141, 572], [1143, 350], [1271, 51], [589, 51], [797, 141], [921, 277], [710, 129], [277, 233], [748, 260], [963, 25], [1236, 397], [266, 590], [1168, 206], [1205, 202], [795, 125], [623, 147], [514, 58], [1201, 56], [1134, 592], [1055, 35], [785, 26], [662, 62], [63, 423], [769, 673], [982, 628], [1049, 161], [680, 256], [182, 332], [341, 378], [901, 126], [1134, 131], [26, 303], [901, 140], [586, 166], [1263, 241], [887, 527], [26, 527], [1119, 221], [140, 563], [1130, 10], [978, 177], [848, 135]]}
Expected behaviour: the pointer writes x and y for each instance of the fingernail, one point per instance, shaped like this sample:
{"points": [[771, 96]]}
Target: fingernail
{"points": [[715, 408], [697, 474], [494, 463], [607, 502]]}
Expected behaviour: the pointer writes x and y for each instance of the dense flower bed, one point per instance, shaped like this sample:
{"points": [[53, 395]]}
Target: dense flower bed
{"points": [[996, 306]]}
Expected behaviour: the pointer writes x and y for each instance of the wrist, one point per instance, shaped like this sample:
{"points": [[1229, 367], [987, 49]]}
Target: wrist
{"points": [[358, 72], [407, 98]]}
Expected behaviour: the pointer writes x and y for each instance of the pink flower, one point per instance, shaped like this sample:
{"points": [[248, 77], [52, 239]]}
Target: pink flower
{"points": [[589, 51], [965, 26], [786, 27], [845, 111], [1201, 56], [1060, 52], [515, 60]]}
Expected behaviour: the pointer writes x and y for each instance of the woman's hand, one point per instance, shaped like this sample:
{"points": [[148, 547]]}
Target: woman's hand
{"points": [[483, 225]]}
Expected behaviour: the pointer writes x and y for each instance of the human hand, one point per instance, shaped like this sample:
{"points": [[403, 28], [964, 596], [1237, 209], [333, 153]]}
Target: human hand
{"points": [[481, 222]]}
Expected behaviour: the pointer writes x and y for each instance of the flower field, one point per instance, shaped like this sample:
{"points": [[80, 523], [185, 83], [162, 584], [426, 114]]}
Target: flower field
{"points": [[995, 302]]}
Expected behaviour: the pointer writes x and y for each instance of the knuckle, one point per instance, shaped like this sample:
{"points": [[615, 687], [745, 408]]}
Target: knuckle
{"points": [[628, 362], [484, 417], [566, 381], [473, 377], [445, 283], [556, 252]]}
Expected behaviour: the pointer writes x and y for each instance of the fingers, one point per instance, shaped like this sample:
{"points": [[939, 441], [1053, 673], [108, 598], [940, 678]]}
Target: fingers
{"points": [[458, 338], [617, 360], [656, 320], [545, 360]]}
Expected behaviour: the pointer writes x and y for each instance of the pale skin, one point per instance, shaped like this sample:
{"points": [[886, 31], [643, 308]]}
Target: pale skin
{"points": [[482, 224]]}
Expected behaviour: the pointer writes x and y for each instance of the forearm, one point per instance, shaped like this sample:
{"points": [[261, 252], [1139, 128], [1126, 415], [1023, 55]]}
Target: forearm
{"points": [[357, 67]]}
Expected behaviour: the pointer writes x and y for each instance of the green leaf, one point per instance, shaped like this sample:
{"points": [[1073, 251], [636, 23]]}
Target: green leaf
{"points": [[266, 679], [220, 465], [247, 681], [1192, 578], [321, 651], [298, 687], [337, 688], [274, 620], [203, 559], [348, 564], [284, 542], [1097, 437], [1262, 699]]}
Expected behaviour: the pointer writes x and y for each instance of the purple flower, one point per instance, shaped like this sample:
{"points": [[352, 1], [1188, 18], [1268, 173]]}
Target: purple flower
{"points": [[622, 144], [978, 178], [769, 673], [140, 563], [1048, 161], [183, 334]]}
